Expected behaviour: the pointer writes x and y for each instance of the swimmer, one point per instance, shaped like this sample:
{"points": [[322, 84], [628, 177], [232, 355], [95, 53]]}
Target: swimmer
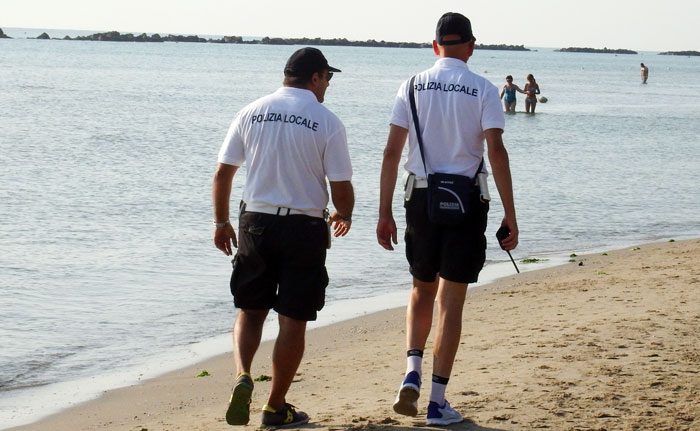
{"points": [[509, 90], [532, 89]]}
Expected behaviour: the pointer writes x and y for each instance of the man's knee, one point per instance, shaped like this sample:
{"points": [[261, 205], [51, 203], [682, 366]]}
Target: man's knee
{"points": [[424, 291], [252, 316], [452, 294], [288, 324]]}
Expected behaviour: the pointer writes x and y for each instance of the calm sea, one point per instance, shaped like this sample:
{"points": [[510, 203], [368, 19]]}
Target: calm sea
{"points": [[107, 150]]}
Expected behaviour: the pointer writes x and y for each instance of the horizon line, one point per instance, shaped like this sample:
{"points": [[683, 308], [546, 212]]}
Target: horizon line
{"points": [[305, 37]]}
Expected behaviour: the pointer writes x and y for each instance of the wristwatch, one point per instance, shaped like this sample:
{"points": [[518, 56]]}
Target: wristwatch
{"points": [[222, 224]]}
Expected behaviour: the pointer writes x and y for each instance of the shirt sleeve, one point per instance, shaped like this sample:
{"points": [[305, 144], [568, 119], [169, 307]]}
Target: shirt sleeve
{"points": [[400, 112], [336, 157], [492, 116], [232, 151]]}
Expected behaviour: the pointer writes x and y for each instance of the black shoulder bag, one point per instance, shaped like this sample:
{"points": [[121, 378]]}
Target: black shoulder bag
{"points": [[450, 196]]}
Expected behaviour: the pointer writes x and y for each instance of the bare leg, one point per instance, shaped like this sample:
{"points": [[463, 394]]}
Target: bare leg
{"points": [[419, 315], [286, 357], [451, 298], [246, 337]]}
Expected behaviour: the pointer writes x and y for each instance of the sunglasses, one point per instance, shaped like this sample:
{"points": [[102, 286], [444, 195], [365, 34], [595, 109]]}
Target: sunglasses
{"points": [[329, 75]]}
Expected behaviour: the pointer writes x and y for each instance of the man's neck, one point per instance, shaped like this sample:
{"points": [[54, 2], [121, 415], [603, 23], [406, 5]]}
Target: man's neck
{"points": [[463, 60]]}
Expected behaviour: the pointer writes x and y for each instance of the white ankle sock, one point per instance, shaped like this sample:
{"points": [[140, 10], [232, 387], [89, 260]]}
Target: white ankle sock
{"points": [[414, 363], [437, 390]]}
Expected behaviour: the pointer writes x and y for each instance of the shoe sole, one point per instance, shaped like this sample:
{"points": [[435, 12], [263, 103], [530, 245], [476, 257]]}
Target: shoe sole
{"points": [[238, 412], [443, 422], [289, 425], [406, 402]]}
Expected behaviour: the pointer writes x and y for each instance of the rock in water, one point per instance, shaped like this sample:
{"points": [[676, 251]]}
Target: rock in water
{"points": [[543, 99]]}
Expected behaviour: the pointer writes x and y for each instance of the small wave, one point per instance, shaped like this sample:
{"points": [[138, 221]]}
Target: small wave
{"points": [[35, 87], [8, 388], [33, 372]]}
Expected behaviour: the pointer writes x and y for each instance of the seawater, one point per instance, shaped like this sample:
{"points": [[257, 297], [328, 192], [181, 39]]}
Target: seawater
{"points": [[107, 150]]}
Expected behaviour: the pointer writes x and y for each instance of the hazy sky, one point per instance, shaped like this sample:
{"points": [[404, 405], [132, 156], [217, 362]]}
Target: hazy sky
{"points": [[640, 25]]}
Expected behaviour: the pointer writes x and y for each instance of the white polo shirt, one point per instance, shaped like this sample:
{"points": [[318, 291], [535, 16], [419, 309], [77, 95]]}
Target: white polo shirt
{"points": [[291, 143], [455, 106]]}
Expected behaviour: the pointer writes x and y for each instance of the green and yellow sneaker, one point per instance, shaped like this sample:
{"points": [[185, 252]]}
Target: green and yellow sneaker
{"points": [[238, 412], [287, 416]]}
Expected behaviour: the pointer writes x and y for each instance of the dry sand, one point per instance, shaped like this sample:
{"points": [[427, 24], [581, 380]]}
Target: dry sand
{"points": [[609, 342]]}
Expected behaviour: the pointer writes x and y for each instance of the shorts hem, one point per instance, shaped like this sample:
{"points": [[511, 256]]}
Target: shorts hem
{"points": [[422, 277], [296, 315]]}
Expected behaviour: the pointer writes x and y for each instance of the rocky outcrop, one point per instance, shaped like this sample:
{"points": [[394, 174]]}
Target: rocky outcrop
{"points": [[597, 51], [685, 53], [503, 47], [3, 35], [115, 36], [43, 36]]}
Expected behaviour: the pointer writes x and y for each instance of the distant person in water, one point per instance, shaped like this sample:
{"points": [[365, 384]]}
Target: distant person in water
{"points": [[532, 89], [509, 90], [644, 72]]}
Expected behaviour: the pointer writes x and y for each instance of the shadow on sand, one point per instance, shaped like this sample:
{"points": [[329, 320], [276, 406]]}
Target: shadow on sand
{"points": [[467, 425]]}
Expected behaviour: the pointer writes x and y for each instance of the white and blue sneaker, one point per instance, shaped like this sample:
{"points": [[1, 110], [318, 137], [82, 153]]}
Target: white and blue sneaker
{"points": [[407, 400], [442, 415]]}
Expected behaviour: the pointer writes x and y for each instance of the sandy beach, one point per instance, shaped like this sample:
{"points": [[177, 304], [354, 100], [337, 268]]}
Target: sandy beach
{"points": [[607, 342]]}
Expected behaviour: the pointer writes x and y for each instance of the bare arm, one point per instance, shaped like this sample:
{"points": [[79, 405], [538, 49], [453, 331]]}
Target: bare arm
{"points": [[224, 236], [343, 197], [386, 226], [500, 165]]}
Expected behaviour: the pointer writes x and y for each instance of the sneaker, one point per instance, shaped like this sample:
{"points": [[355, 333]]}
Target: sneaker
{"points": [[442, 415], [407, 400], [287, 416], [238, 412]]}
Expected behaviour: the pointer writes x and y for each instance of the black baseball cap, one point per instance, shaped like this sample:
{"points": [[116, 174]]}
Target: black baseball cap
{"points": [[453, 23], [305, 62]]}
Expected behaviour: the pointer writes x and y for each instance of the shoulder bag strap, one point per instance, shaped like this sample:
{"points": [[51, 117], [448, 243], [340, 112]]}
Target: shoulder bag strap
{"points": [[412, 98], [480, 168]]}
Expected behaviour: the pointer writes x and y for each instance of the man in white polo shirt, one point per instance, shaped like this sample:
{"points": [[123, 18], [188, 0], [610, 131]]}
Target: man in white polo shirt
{"points": [[291, 144], [457, 110]]}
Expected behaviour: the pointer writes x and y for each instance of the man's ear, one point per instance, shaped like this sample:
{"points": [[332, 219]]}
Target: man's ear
{"points": [[315, 81], [472, 45], [436, 49]]}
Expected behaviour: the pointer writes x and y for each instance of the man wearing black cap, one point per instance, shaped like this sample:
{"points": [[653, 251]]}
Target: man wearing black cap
{"points": [[291, 144], [457, 110]]}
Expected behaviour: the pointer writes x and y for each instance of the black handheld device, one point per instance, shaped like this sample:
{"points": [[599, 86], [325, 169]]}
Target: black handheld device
{"points": [[501, 234]]}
